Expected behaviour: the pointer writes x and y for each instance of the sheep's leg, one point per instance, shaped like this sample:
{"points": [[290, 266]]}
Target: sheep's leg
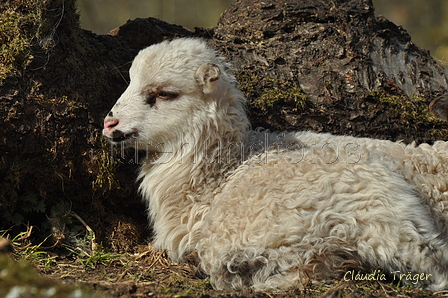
{"points": [[433, 258], [425, 259], [419, 256], [279, 268]]}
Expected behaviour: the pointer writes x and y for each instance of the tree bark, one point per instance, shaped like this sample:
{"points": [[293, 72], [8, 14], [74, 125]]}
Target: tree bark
{"points": [[361, 75], [327, 66]]}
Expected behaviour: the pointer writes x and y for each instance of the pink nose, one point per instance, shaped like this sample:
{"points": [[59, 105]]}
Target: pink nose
{"points": [[109, 125]]}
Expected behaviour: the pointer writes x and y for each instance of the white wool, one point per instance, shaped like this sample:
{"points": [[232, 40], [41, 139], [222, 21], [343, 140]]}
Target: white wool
{"points": [[273, 210]]}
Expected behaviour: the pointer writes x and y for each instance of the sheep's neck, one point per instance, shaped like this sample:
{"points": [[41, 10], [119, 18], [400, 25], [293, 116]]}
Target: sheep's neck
{"points": [[179, 189]]}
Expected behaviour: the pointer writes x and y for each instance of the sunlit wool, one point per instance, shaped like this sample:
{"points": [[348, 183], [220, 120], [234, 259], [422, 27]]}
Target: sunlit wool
{"points": [[268, 210]]}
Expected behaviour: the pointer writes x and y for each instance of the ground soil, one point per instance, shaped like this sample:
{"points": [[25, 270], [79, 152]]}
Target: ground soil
{"points": [[150, 274], [325, 66]]}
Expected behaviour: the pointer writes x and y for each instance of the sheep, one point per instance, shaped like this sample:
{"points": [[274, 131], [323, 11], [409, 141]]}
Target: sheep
{"points": [[270, 211]]}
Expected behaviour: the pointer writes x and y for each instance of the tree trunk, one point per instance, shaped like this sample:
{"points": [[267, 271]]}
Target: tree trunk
{"points": [[327, 66]]}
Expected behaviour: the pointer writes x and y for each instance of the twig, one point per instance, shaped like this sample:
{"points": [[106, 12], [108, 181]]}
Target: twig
{"points": [[122, 275], [89, 229]]}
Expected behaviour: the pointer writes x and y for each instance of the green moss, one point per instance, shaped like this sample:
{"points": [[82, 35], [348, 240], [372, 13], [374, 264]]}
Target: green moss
{"points": [[279, 93], [412, 111], [247, 84], [268, 92], [18, 29], [20, 279], [438, 134]]}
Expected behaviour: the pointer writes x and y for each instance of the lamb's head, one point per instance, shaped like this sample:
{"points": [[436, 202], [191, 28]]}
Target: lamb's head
{"points": [[175, 86]]}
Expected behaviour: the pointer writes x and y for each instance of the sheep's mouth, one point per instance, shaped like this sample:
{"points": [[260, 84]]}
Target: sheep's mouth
{"points": [[119, 136]]}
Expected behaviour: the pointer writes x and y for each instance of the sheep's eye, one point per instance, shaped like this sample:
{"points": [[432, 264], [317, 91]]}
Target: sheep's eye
{"points": [[167, 95]]}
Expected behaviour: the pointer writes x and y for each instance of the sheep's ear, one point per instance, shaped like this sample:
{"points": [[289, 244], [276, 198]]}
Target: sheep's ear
{"points": [[439, 107], [207, 76]]}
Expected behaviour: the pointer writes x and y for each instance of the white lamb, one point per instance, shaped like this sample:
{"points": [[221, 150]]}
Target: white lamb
{"points": [[270, 211]]}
